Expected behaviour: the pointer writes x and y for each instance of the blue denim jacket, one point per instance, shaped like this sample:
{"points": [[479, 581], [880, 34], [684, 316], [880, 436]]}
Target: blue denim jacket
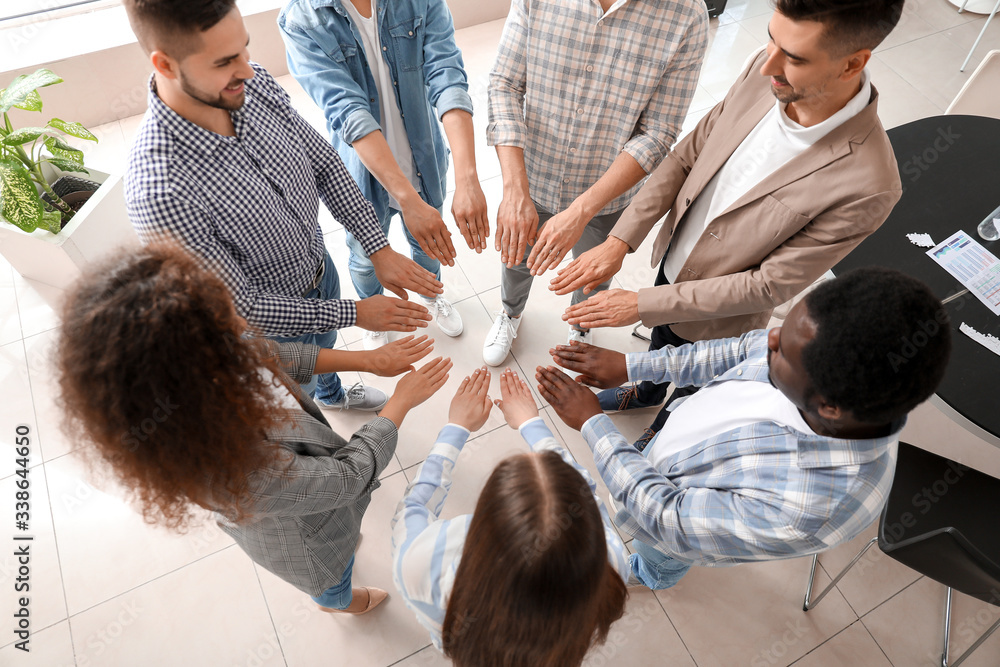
{"points": [[326, 56]]}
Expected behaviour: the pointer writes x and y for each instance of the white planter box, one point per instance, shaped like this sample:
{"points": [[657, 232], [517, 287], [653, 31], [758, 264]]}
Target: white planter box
{"points": [[99, 227]]}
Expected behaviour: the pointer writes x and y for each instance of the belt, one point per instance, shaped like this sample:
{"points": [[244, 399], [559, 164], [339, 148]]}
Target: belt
{"points": [[318, 278]]}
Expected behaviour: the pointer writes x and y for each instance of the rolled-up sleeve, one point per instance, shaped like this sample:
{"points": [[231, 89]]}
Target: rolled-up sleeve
{"points": [[508, 81]]}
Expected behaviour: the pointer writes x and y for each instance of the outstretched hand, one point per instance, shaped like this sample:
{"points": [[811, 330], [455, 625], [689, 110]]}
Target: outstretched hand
{"points": [[573, 402], [597, 366], [610, 308], [516, 403], [398, 356], [470, 408]]}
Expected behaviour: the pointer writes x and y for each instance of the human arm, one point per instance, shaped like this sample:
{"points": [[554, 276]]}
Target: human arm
{"points": [[168, 215], [563, 230], [422, 220], [416, 387], [389, 360], [784, 272], [715, 525], [468, 205], [597, 366], [517, 217]]}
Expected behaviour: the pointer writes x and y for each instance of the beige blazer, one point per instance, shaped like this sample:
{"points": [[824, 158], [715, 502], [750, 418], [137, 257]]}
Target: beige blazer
{"points": [[775, 240]]}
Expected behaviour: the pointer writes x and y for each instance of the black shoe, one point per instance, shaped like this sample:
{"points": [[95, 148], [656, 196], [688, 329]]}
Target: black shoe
{"points": [[644, 439], [621, 398]]}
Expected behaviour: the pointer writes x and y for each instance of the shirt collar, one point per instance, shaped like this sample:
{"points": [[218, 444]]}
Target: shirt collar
{"points": [[818, 451], [854, 106]]}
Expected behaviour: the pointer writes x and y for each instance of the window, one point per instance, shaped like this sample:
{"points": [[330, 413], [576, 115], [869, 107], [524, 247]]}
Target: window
{"points": [[27, 8]]}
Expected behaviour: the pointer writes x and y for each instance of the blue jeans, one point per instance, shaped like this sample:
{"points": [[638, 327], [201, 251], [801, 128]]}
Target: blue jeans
{"points": [[366, 284], [325, 387], [339, 596], [654, 569]]}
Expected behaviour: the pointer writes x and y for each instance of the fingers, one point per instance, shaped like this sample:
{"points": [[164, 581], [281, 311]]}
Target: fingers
{"points": [[482, 231], [480, 381], [436, 371], [522, 245], [500, 241], [446, 247], [569, 277], [468, 232]]}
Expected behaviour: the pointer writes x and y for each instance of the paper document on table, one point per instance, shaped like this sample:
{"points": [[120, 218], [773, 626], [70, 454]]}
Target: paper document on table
{"points": [[973, 265]]}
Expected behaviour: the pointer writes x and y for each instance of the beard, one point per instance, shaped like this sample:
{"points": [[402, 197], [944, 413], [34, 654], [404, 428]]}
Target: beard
{"points": [[217, 101], [786, 95]]}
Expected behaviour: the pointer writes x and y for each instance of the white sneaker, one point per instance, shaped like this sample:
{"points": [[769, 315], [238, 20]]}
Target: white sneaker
{"points": [[500, 338], [579, 336], [358, 397], [375, 339], [445, 315]]}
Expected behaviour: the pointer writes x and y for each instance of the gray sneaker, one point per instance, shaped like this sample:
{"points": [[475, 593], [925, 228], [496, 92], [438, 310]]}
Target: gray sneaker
{"points": [[358, 397]]}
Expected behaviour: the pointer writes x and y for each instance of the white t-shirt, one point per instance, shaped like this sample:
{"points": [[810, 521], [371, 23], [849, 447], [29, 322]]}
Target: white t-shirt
{"points": [[720, 408], [773, 142], [391, 117], [280, 392]]}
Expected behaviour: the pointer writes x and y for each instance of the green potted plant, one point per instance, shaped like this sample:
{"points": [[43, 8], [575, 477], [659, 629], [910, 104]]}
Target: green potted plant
{"points": [[24, 151], [58, 221]]}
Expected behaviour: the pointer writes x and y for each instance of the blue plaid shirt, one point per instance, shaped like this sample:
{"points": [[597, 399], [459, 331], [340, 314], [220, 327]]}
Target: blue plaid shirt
{"points": [[759, 492], [249, 204], [426, 550]]}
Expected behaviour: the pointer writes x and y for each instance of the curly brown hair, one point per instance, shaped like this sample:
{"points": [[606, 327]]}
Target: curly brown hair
{"points": [[534, 587], [154, 372]]}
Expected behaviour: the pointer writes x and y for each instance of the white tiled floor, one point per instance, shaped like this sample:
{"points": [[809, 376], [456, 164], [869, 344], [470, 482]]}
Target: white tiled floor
{"points": [[108, 589]]}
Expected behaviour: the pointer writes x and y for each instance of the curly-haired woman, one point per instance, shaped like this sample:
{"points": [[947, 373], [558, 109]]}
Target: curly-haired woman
{"points": [[157, 374]]}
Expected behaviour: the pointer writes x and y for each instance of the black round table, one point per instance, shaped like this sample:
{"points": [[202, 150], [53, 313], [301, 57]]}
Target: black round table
{"points": [[950, 170]]}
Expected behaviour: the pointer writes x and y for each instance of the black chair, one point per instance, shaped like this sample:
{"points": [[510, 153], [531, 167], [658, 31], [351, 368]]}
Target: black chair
{"points": [[941, 520]]}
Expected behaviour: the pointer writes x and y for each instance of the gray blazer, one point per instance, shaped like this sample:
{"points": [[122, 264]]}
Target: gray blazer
{"points": [[305, 512]]}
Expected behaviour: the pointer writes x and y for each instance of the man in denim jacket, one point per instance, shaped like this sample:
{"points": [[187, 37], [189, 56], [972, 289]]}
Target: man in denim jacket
{"points": [[376, 69]]}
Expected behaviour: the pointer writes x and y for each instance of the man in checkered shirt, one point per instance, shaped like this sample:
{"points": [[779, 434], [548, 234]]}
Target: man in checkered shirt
{"points": [[225, 165], [585, 99]]}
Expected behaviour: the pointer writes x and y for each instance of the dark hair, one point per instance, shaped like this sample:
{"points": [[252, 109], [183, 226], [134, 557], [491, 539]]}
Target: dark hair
{"points": [[534, 587], [849, 25], [170, 25], [155, 375], [881, 346]]}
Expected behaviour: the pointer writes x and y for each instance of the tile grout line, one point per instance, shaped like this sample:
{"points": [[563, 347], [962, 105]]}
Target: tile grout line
{"points": [[671, 622], [407, 657], [270, 616]]}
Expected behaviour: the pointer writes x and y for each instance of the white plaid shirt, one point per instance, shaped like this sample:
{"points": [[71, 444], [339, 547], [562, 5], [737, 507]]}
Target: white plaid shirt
{"points": [[249, 204], [758, 492], [574, 87]]}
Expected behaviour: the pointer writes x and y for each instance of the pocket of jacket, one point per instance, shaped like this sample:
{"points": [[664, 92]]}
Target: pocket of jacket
{"points": [[408, 41]]}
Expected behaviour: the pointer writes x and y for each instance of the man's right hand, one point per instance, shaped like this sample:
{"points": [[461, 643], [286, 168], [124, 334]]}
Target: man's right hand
{"points": [[597, 366], [517, 226], [589, 270], [384, 313]]}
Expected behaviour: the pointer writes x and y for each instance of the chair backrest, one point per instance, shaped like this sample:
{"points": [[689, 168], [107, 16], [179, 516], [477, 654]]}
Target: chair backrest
{"points": [[979, 96], [941, 520]]}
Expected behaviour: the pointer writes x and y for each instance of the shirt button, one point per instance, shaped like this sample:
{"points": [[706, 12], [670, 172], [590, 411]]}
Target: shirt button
{"points": [[565, 180], [579, 110], [385, 48], [410, 33], [590, 68], [394, 83], [601, 22], [687, 202], [419, 174], [739, 372], [572, 150], [373, 99]]}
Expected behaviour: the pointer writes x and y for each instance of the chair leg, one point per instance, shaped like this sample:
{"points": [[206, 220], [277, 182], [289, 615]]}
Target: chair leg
{"points": [[808, 603], [635, 332], [981, 33], [968, 651]]}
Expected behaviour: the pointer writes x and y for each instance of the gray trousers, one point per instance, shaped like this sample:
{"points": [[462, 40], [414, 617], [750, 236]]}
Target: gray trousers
{"points": [[516, 283]]}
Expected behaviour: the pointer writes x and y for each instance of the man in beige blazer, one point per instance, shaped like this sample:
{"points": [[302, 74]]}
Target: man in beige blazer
{"points": [[762, 197]]}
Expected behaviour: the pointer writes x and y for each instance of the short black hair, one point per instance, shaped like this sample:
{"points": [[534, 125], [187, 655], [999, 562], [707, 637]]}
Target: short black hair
{"points": [[169, 25], [849, 25], [882, 343]]}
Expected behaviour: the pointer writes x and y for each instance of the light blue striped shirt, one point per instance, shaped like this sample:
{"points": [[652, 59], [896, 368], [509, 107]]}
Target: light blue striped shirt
{"points": [[762, 491], [426, 550]]}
